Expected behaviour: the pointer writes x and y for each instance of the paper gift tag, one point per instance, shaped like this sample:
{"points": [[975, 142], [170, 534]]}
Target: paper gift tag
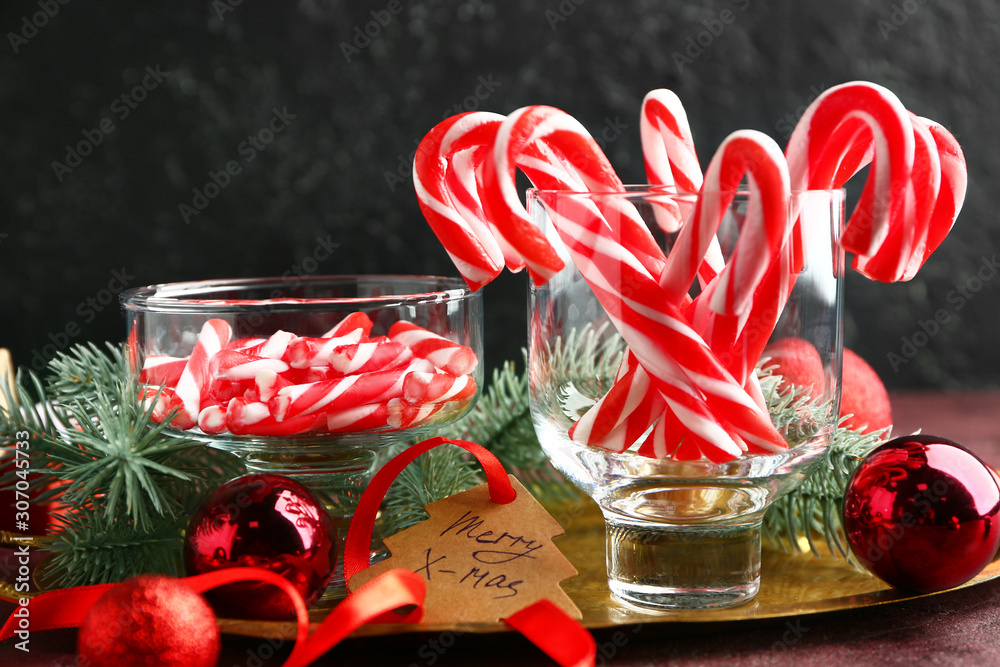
{"points": [[482, 561]]}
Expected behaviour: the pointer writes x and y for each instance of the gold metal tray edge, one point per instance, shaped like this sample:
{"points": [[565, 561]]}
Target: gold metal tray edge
{"points": [[791, 585]]}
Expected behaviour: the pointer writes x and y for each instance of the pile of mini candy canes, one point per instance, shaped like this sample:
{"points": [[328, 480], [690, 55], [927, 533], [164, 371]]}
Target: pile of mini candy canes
{"points": [[673, 386], [285, 384]]}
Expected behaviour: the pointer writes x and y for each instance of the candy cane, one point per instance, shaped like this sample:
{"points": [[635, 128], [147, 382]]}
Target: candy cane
{"points": [[951, 196], [196, 377], [369, 356], [755, 155], [667, 144], [356, 321], [420, 387], [304, 352], [671, 160], [250, 418], [338, 393], [814, 158], [443, 353], [468, 239], [523, 136], [237, 365], [162, 370], [905, 242], [678, 361]]}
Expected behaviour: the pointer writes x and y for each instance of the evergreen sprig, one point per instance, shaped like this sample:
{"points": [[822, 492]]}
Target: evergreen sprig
{"points": [[86, 549], [117, 453]]}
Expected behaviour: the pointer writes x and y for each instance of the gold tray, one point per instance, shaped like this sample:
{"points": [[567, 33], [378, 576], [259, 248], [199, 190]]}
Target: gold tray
{"points": [[791, 585]]}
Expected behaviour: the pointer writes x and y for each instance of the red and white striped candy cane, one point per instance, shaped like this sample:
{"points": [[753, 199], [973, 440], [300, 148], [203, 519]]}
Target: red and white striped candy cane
{"points": [[370, 356], [161, 369], [443, 353], [667, 144], [356, 321], [823, 137], [249, 418], [212, 419], [339, 393], [907, 237], [420, 387], [273, 347], [573, 160], [196, 377], [742, 153], [402, 414], [305, 352], [237, 365], [452, 212], [951, 196]]}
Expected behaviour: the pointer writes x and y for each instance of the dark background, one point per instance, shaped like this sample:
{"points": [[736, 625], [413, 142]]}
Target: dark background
{"points": [[333, 174]]}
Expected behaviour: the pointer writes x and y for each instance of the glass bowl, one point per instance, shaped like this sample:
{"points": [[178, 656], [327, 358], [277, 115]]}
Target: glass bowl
{"points": [[308, 377], [682, 528]]}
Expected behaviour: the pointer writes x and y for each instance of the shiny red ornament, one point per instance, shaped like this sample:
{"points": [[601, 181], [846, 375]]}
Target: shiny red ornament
{"points": [[267, 521], [149, 620], [923, 513]]}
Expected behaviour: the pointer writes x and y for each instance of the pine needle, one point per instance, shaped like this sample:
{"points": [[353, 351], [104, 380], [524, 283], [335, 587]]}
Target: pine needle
{"points": [[86, 549]]}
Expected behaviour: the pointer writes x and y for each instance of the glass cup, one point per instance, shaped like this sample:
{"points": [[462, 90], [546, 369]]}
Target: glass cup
{"points": [[336, 465], [685, 534]]}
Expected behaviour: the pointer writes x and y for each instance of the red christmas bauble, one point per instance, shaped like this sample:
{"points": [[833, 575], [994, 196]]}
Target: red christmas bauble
{"points": [[864, 396], [267, 521], [149, 620], [798, 364], [923, 513]]}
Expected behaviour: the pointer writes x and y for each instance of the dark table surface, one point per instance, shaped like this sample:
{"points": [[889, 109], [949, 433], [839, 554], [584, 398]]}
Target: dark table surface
{"points": [[960, 627]]}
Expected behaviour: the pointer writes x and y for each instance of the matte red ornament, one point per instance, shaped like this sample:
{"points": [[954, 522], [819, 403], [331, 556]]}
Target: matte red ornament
{"points": [[923, 513], [149, 620], [863, 396], [267, 521]]}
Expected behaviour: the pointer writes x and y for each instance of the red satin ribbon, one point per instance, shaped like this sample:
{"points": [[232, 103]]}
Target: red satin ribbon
{"points": [[380, 600], [357, 548]]}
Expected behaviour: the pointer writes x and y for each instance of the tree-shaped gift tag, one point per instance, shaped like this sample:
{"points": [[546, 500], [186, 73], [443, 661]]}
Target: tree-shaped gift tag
{"points": [[482, 557]]}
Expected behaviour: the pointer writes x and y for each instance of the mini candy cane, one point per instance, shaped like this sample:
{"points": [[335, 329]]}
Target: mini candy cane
{"points": [[356, 321], [304, 352], [249, 418], [369, 356], [339, 393], [212, 419], [196, 378], [445, 354], [273, 347], [237, 365], [162, 370], [420, 387]]}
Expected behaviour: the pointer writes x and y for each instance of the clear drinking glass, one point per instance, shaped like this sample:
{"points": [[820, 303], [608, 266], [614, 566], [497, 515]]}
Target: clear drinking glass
{"points": [[166, 320], [682, 534]]}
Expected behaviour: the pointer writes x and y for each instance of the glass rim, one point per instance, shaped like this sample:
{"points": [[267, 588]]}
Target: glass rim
{"points": [[666, 191], [196, 296]]}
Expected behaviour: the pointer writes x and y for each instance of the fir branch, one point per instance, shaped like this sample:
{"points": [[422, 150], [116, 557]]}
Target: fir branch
{"points": [[813, 507], [501, 422], [118, 454], [87, 550], [85, 373]]}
